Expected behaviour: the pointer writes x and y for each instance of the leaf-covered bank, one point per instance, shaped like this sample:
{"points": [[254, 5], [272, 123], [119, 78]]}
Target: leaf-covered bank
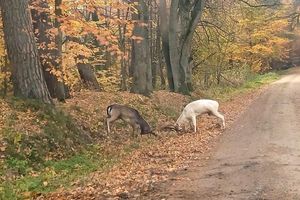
{"points": [[67, 150]]}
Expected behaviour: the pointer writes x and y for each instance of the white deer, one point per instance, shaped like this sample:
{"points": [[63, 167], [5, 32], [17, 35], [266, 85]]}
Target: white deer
{"points": [[196, 108]]}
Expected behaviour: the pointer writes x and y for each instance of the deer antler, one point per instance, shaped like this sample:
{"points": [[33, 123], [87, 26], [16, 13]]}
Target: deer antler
{"points": [[169, 127]]}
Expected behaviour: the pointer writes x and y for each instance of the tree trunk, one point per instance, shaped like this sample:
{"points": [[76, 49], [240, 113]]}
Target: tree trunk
{"points": [[159, 56], [122, 46], [152, 45], [184, 17], [174, 51], [62, 91], [28, 79], [48, 56], [140, 61], [165, 42]]}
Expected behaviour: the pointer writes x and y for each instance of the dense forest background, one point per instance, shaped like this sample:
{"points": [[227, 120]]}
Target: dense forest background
{"points": [[51, 49]]}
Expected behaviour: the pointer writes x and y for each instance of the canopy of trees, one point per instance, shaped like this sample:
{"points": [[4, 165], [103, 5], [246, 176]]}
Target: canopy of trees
{"points": [[53, 48]]}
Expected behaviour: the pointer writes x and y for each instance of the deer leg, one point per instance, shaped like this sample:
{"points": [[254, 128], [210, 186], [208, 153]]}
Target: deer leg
{"points": [[110, 120], [134, 129], [191, 125], [217, 114], [194, 124], [107, 125], [183, 127]]}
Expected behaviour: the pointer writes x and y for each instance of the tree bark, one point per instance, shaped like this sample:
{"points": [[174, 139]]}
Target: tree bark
{"points": [[174, 51], [62, 91], [152, 44], [159, 55], [184, 17], [122, 46], [140, 61], [28, 79], [165, 41]]}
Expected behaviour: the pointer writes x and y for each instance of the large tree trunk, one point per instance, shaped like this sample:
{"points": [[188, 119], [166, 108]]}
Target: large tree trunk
{"points": [[140, 61], [165, 41], [174, 45], [49, 57], [184, 17], [28, 80]]}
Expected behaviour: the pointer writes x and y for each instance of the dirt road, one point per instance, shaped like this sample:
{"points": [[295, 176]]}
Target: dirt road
{"points": [[257, 158]]}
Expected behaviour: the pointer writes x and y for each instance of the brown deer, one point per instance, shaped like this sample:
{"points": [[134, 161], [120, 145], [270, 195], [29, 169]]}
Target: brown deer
{"points": [[129, 115]]}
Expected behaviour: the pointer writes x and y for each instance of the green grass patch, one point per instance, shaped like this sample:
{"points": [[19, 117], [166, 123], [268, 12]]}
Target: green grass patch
{"points": [[38, 162], [54, 174], [225, 93], [60, 137]]}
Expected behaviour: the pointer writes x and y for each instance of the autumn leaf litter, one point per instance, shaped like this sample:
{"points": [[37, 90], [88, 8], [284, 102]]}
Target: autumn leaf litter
{"points": [[137, 173]]}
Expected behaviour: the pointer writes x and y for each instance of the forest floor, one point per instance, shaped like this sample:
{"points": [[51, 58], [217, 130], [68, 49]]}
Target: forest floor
{"points": [[113, 166]]}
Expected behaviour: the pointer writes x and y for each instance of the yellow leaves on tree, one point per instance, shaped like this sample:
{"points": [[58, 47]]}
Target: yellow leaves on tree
{"points": [[92, 32], [262, 40], [71, 56], [235, 39]]}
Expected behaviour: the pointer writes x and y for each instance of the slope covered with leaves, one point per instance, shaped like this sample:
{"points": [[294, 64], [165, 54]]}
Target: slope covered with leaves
{"points": [[68, 152], [151, 160]]}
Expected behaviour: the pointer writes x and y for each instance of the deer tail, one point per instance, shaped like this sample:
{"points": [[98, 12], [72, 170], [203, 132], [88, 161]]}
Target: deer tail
{"points": [[108, 110]]}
